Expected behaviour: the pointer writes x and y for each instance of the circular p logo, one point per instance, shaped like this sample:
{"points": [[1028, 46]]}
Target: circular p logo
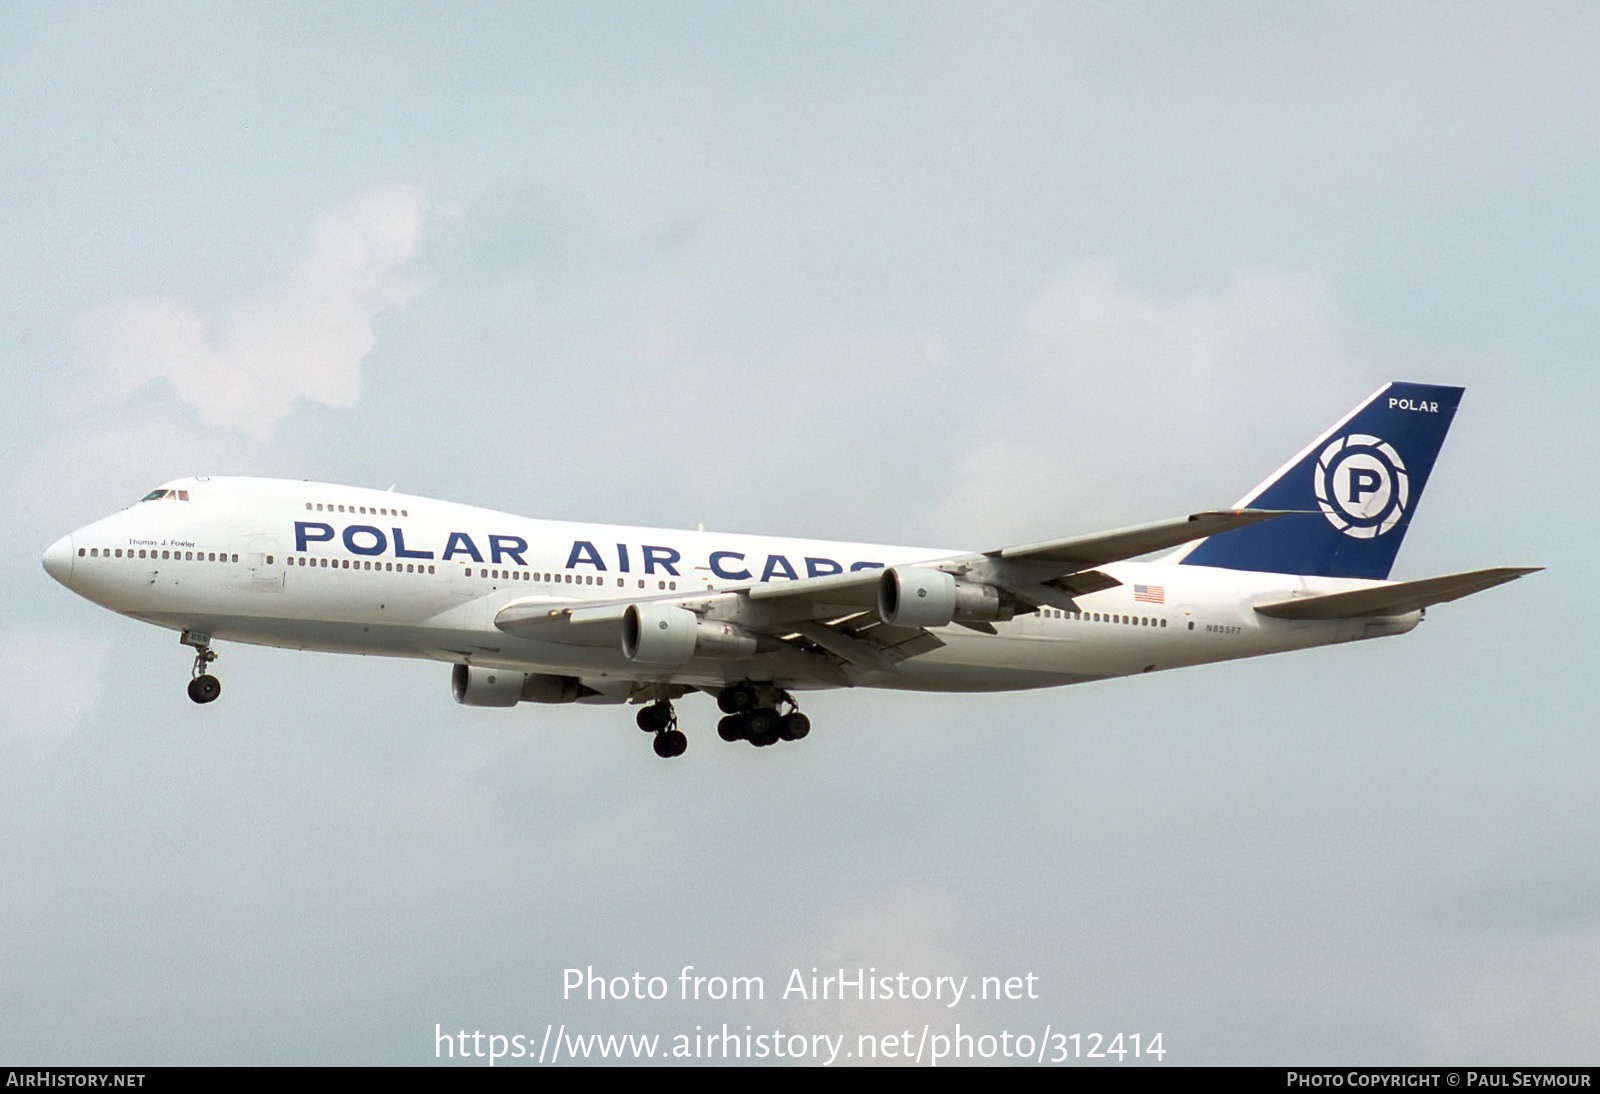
{"points": [[1362, 485]]}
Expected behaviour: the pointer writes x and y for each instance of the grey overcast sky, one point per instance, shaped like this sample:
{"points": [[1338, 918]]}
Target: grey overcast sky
{"points": [[949, 273]]}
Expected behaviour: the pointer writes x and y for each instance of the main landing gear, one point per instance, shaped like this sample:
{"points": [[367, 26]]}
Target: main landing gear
{"points": [[203, 687], [660, 719], [753, 715], [759, 713]]}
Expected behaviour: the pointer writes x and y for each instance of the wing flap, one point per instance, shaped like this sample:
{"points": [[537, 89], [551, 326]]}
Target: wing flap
{"points": [[1398, 598], [846, 647], [809, 664], [875, 648]]}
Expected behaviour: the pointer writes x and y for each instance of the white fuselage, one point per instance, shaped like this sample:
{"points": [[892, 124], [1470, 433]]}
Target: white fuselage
{"points": [[314, 566]]}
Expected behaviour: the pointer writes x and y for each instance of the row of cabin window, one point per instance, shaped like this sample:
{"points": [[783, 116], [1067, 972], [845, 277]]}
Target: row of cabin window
{"points": [[368, 510], [177, 556], [557, 579], [360, 564], [502, 575], [1097, 617]]}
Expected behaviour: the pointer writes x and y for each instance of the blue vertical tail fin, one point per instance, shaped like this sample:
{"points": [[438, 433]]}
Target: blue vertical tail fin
{"points": [[1357, 486]]}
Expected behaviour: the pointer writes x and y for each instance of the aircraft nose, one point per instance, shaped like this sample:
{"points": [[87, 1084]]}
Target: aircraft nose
{"points": [[57, 560]]}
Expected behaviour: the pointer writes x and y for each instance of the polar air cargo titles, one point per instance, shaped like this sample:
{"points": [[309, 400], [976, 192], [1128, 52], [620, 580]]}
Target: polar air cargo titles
{"points": [[548, 612]]}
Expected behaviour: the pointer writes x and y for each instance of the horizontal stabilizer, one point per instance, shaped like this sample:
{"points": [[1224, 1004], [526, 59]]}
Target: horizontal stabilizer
{"points": [[1396, 599]]}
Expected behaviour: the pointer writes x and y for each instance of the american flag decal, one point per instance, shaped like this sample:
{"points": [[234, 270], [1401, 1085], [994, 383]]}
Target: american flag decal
{"points": [[1150, 594]]}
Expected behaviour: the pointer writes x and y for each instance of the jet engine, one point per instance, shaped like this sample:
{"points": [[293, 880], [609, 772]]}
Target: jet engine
{"points": [[475, 686], [915, 597], [664, 634]]}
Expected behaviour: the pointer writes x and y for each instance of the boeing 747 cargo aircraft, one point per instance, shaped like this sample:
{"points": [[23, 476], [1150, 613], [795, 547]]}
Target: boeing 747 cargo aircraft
{"points": [[528, 610]]}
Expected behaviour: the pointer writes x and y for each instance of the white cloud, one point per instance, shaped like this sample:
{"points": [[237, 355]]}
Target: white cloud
{"points": [[306, 340]]}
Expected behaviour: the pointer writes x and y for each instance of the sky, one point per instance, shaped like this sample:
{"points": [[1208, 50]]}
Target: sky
{"points": [[950, 274]]}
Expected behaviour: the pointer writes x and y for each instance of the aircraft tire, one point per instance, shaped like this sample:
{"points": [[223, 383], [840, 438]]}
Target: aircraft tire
{"points": [[761, 726], [654, 718], [731, 728], [793, 726], [739, 699], [205, 688], [670, 743]]}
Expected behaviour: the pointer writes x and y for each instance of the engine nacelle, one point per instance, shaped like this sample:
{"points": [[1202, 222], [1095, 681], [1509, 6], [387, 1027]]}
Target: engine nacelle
{"points": [[916, 597], [664, 634], [475, 686], [913, 597], [658, 634]]}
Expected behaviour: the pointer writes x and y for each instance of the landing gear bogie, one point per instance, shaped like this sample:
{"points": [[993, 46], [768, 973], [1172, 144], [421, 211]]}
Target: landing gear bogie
{"points": [[660, 719], [760, 714]]}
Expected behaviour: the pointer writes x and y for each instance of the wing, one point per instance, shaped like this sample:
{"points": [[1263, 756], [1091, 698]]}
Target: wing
{"points": [[834, 629], [1037, 573]]}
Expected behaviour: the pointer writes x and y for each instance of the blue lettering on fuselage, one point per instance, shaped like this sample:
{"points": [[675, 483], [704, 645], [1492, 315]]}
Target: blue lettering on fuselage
{"points": [[504, 550], [507, 547], [460, 543], [377, 543], [665, 557], [776, 565], [583, 551], [726, 574], [311, 531], [400, 547]]}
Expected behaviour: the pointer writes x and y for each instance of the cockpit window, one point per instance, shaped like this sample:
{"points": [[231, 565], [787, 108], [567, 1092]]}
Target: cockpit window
{"points": [[170, 495], [154, 494]]}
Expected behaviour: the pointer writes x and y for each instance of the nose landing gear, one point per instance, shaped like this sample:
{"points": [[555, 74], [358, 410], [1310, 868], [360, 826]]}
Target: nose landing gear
{"points": [[203, 687]]}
